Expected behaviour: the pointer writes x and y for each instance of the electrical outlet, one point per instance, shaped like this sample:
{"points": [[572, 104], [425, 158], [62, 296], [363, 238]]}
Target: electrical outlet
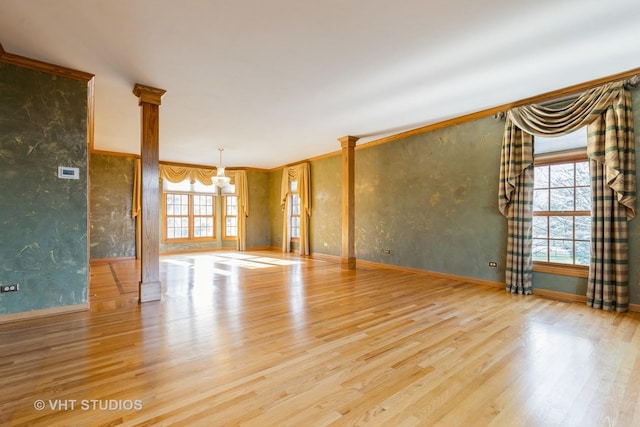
{"points": [[9, 288], [493, 264]]}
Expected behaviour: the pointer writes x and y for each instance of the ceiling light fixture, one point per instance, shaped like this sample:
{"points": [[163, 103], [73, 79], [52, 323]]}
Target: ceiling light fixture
{"points": [[220, 179]]}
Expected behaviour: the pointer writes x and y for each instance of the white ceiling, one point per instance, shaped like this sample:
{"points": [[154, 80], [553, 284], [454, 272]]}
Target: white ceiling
{"points": [[278, 81]]}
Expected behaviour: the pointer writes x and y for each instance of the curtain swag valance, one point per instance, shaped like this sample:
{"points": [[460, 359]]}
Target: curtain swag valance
{"points": [[181, 173], [607, 105]]}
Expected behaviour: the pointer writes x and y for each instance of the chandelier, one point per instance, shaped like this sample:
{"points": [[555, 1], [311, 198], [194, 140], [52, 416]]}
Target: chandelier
{"points": [[220, 180]]}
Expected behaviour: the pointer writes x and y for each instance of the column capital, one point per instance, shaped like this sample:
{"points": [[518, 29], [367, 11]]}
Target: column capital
{"points": [[148, 94], [348, 141]]}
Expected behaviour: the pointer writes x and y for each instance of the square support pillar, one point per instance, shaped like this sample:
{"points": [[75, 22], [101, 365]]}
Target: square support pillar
{"points": [[150, 287], [348, 259]]}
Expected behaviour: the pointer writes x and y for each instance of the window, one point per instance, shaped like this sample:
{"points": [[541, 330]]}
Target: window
{"points": [[294, 218], [562, 209], [177, 209], [189, 212], [230, 217], [203, 216]]}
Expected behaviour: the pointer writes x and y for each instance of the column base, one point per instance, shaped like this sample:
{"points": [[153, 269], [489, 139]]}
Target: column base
{"points": [[348, 263], [150, 291]]}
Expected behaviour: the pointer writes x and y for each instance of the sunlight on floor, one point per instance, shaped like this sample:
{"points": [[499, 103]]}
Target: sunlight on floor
{"points": [[233, 259]]}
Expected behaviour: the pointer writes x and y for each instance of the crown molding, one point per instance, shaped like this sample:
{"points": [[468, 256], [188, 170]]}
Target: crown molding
{"points": [[46, 67]]}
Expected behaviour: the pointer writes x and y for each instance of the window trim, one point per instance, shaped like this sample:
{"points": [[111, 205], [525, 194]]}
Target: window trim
{"points": [[573, 156], [191, 217]]}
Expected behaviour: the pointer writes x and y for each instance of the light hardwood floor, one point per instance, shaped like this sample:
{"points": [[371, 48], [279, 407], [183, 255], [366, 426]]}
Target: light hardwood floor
{"points": [[265, 339]]}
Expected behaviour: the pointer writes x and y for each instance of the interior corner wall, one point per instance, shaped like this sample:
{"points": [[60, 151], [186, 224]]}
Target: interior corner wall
{"points": [[275, 210], [43, 219], [112, 230], [325, 226], [258, 223]]}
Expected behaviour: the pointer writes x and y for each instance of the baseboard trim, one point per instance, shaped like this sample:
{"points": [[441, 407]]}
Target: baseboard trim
{"points": [[14, 317], [329, 258], [465, 279]]}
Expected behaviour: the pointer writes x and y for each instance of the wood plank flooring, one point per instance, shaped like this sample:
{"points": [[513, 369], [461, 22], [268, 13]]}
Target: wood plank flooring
{"points": [[266, 339]]}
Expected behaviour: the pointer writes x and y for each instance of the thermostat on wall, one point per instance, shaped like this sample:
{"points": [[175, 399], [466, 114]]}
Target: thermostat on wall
{"points": [[68, 173]]}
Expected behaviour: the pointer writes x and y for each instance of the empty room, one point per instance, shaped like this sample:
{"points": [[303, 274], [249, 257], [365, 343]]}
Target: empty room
{"points": [[339, 213]]}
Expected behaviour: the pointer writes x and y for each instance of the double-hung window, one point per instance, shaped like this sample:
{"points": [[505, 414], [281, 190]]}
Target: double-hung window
{"points": [[189, 211], [561, 205], [294, 218], [230, 210]]}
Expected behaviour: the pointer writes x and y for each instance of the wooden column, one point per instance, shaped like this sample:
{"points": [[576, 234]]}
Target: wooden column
{"points": [[150, 288], [348, 144]]}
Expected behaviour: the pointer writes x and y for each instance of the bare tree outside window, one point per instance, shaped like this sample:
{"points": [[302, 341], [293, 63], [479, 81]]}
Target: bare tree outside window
{"points": [[561, 209]]}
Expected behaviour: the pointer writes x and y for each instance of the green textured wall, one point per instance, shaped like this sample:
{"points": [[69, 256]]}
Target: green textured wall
{"points": [[275, 210], [258, 228], [113, 231], [325, 227], [43, 219], [634, 225], [431, 199]]}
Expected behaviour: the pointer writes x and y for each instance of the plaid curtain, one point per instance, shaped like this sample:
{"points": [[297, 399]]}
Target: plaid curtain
{"points": [[515, 201], [607, 112], [612, 166]]}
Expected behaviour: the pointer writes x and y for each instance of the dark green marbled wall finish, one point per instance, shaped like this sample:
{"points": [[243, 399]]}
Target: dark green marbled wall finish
{"points": [[113, 231], [43, 219], [258, 232], [432, 200]]}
